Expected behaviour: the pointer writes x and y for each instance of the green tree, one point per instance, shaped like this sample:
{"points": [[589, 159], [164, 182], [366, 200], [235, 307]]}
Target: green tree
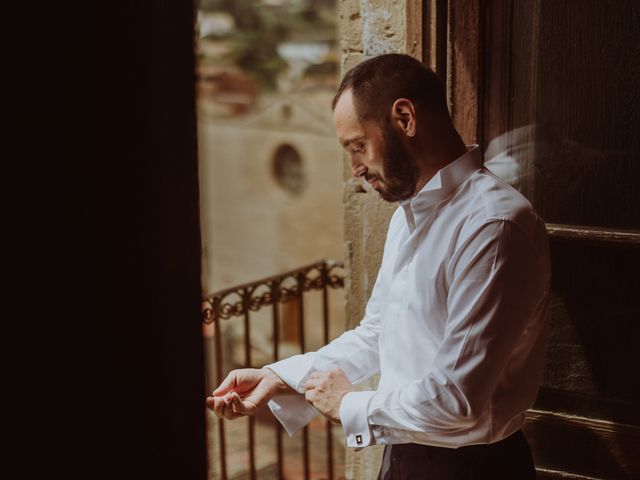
{"points": [[261, 28]]}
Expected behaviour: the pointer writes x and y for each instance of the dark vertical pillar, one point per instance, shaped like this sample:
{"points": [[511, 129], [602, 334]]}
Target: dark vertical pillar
{"points": [[464, 72], [115, 268]]}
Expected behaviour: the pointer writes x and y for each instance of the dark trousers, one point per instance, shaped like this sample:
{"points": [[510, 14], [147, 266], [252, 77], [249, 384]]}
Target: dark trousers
{"points": [[508, 459]]}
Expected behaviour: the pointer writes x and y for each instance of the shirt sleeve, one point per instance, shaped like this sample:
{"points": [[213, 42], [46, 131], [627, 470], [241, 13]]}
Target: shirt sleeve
{"points": [[497, 281], [355, 352]]}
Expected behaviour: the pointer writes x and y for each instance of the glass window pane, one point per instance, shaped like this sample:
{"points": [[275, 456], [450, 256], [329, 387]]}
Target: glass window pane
{"points": [[562, 107]]}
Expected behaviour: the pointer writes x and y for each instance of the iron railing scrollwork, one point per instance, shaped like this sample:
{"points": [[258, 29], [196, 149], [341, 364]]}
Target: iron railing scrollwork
{"points": [[265, 292]]}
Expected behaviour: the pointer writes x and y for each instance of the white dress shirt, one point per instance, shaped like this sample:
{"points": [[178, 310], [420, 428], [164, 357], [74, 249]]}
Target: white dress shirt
{"points": [[455, 324]]}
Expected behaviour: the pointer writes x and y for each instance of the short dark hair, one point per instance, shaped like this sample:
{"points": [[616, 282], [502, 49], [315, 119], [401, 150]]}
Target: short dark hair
{"points": [[377, 82]]}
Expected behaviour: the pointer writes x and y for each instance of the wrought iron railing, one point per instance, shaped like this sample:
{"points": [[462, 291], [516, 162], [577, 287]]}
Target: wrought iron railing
{"points": [[240, 301]]}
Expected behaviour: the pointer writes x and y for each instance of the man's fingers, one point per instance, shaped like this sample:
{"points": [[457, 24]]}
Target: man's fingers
{"points": [[246, 407], [218, 406], [226, 384], [226, 406], [228, 411], [311, 383], [310, 395]]}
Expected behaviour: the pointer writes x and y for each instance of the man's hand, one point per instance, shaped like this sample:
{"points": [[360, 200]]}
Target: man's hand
{"points": [[324, 390], [244, 390]]}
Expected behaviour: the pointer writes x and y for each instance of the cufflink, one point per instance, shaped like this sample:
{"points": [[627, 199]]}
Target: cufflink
{"points": [[359, 439]]}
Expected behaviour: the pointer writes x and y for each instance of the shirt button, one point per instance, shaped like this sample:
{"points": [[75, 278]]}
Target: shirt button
{"points": [[359, 439]]}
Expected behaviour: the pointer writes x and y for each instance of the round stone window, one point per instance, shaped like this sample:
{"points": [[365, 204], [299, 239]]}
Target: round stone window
{"points": [[289, 170]]}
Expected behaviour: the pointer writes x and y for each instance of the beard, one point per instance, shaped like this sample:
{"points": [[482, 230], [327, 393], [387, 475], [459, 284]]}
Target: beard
{"points": [[399, 168]]}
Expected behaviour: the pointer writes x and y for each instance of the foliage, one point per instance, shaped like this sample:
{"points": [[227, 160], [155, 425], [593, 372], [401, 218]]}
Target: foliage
{"points": [[260, 27], [257, 54]]}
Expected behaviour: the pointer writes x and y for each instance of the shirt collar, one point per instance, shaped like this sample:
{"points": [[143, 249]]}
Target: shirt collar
{"points": [[443, 183]]}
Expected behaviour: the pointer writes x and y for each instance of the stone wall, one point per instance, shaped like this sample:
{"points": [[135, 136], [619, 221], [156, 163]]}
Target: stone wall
{"points": [[368, 28]]}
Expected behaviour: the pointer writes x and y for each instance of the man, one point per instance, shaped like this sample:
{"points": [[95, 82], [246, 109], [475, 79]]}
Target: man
{"points": [[455, 322]]}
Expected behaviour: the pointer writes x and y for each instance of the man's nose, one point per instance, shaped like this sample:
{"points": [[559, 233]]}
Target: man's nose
{"points": [[358, 169]]}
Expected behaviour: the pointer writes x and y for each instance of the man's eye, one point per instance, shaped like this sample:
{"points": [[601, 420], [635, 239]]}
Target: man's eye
{"points": [[359, 148]]}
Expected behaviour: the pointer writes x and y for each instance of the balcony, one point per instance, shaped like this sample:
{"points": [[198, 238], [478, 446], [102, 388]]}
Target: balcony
{"points": [[254, 324]]}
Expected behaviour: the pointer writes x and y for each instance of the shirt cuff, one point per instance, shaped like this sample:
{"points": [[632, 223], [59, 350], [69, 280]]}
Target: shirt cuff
{"points": [[294, 370], [292, 411], [354, 415]]}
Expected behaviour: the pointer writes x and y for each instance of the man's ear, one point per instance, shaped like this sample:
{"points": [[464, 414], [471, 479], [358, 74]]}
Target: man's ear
{"points": [[403, 116]]}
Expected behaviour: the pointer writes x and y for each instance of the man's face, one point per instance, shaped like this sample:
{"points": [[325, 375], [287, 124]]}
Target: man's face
{"points": [[376, 151]]}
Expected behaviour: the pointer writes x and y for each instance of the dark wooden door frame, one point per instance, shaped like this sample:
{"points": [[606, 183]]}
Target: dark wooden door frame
{"points": [[465, 38], [457, 31]]}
